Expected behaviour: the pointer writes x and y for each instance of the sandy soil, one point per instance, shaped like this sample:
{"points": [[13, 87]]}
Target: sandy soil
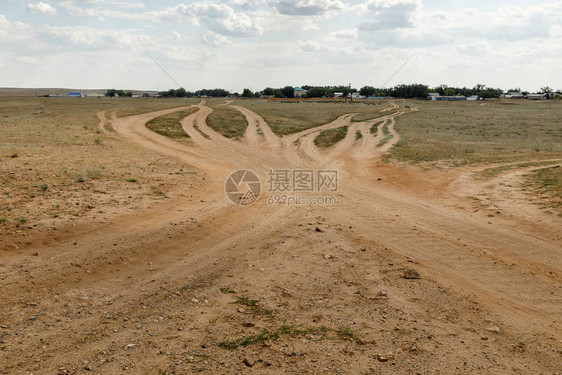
{"points": [[176, 287]]}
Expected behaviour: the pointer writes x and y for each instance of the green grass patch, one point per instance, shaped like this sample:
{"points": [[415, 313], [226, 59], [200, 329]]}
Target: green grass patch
{"points": [[330, 137], [169, 125], [286, 330], [227, 121], [496, 171]]}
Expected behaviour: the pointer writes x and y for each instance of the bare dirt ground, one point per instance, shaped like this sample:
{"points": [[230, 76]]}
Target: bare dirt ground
{"points": [[198, 284]]}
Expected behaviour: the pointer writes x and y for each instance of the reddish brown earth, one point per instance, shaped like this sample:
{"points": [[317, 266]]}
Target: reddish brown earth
{"points": [[198, 284]]}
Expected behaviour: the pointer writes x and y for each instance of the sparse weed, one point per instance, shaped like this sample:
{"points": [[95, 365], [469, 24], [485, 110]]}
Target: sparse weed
{"points": [[345, 333], [254, 305], [22, 220], [94, 173], [78, 177], [286, 330]]}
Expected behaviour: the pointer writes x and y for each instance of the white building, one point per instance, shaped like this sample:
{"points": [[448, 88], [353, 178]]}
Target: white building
{"points": [[299, 92]]}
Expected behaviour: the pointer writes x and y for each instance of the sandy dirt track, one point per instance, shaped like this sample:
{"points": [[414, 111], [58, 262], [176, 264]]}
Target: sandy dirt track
{"points": [[159, 290]]}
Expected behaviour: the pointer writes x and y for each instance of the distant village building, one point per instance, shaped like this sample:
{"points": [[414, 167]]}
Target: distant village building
{"points": [[514, 95], [536, 96], [299, 92], [473, 97], [436, 96], [75, 94]]}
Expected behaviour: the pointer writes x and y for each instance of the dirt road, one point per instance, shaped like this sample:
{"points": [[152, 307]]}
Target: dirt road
{"points": [[199, 284]]}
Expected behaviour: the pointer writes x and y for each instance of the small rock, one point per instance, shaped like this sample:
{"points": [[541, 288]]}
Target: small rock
{"points": [[248, 361], [411, 273], [318, 229], [382, 358], [129, 346], [194, 300], [494, 329], [33, 318], [248, 324], [327, 256], [241, 310], [361, 341]]}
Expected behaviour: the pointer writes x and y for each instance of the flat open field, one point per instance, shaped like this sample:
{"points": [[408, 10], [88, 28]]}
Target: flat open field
{"points": [[126, 248]]}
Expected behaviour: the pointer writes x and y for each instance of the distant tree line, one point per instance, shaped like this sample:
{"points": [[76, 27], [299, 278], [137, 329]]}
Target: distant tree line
{"points": [[410, 91], [112, 93], [183, 93]]}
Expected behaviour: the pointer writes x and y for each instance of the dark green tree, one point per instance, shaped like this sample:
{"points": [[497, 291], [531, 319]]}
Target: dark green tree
{"points": [[367, 91], [247, 93], [288, 91]]}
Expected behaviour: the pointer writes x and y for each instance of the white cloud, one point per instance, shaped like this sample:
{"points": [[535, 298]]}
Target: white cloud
{"points": [[13, 31], [345, 34], [219, 18], [306, 7], [27, 59], [215, 40], [41, 8], [87, 37], [390, 14], [174, 36]]}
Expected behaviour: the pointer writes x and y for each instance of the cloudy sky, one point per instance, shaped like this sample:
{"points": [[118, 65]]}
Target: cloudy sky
{"points": [[234, 44]]}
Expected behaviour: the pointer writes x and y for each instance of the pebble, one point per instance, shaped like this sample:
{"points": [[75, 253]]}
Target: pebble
{"points": [[248, 324], [248, 361], [382, 358], [411, 273]]}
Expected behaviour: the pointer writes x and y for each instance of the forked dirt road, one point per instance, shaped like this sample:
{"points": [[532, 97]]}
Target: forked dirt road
{"points": [[199, 284]]}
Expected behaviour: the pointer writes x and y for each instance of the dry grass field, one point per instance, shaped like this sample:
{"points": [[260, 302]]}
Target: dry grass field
{"points": [[57, 165], [437, 251]]}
